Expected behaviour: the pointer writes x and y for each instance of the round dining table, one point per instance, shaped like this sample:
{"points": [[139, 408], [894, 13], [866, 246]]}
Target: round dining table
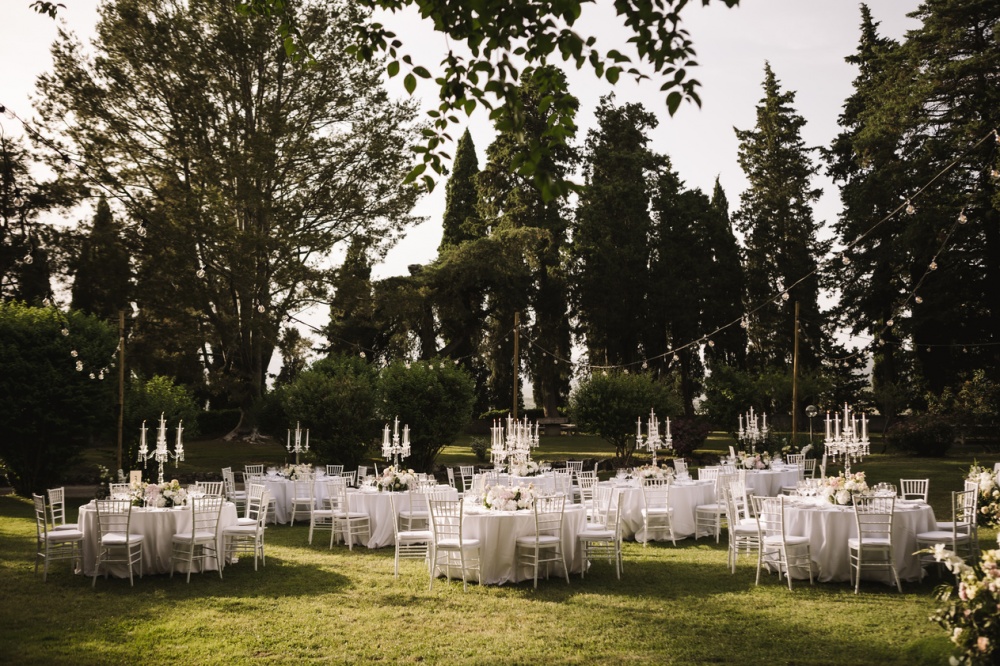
{"points": [[544, 483], [158, 526], [829, 526], [685, 497], [376, 504], [769, 482], [283, 489], [498, 532]]}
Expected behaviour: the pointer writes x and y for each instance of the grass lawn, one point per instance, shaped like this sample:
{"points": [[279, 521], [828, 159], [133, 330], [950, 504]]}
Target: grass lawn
{"points": [[315, 605]]}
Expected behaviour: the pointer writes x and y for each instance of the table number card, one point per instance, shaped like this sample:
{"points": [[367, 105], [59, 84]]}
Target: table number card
{"points": [[135, 476]]}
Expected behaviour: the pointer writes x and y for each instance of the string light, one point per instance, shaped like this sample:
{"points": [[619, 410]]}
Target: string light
{"points": [[260, 309], [962, 219], [200, 273], [28, 259], [919, 299], [933, 266], [784, 296], [910, 208]]}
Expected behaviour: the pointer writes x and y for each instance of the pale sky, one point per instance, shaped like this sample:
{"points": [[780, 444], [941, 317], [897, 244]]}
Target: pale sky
{"points": [[804, 40]]}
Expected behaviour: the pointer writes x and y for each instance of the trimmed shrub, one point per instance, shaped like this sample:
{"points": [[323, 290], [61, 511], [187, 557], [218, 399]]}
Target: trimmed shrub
{"points": [[688, 434], [924, 435]]}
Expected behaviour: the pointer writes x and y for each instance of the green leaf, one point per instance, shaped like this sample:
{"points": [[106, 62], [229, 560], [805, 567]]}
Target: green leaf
{"points": [[392, 68], [410, 83], [674, 101], [421, 72]]}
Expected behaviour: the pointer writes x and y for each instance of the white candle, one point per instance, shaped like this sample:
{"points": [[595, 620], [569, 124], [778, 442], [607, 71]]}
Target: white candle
{"points": [[864, 427], [406, 435], [638, 429], [765, 420], [307, 439], [828, 424], [668, 427], [395, 428], [288, 440]]}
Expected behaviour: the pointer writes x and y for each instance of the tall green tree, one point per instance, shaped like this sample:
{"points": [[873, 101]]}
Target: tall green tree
{"points": [[725, 287], [246, 168], [534, 231], [781, 248], [611, 234], [102, 270]]}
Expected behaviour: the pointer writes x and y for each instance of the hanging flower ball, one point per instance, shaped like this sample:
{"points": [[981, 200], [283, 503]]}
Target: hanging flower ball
{"points": [[79, 366]]}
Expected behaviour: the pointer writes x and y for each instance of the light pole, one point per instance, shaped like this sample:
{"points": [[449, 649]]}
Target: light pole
{"points": [[811, 411]]}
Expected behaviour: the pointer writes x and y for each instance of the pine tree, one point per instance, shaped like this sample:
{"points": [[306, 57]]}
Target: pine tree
{"points": [[101, 281], [461, 222], [611, 235], [724, 303], [775, 217]]}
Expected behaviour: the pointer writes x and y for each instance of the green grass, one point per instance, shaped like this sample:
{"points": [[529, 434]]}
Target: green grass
{"points": [[315, 605]]}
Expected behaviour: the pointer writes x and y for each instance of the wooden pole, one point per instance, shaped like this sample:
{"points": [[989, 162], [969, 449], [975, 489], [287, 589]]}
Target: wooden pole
{"points": [[517, 358], [795, 377], [121, 384]]}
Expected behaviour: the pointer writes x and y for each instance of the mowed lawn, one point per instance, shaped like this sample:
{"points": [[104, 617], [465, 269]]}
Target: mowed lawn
{"points": [[311, 604]]}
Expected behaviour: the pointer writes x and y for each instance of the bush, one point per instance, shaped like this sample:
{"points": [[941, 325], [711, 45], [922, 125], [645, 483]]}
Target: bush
{"points": [[688, 434], [145, 400], [480, 449], [434, 398], [924, 435], [336, 400], [51, 410], [609, 404]]}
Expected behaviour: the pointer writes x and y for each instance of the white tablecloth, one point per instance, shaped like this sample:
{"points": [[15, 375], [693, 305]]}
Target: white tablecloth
{"points": [[685, 496], [158, 526], [498, 531], [829, 527], [283, 489], [769, 482], [376, 505]]}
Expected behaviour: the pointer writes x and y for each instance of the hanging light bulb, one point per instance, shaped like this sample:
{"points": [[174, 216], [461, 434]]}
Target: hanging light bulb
{"points": [[965, 350], [785, 296], [845, 259], [626, 371], [28, 259], [910, 208], [79, 366], [676, 358], [73, 353], [65, 332], [100, 375], [928, 350], [890, 323], [141, 230], [962, 219], [919, 299], [994, 174], [933, 266], [711, 343], [744, 323], [362, 354], [260, 308], [645, 365], [93, 376], [47, 302], [200, 273]]}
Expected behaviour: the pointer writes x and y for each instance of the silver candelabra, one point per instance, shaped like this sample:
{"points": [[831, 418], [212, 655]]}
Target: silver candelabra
{"points": [[513, 444], [161, 453], [392, 447], [297, 446], [653, 440]]}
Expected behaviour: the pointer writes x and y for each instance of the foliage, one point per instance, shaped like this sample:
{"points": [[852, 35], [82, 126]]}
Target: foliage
{"points": [[782, 251], [217, 422], [51, 409], [688, 434], [336, 399], [973, 403], [730, 392], [922, 435], [608, 404], [146, 400], [434, 398], [480, 449], [244, 171], [971, 618]]}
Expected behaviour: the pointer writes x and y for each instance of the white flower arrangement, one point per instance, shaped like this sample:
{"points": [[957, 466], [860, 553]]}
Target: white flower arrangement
{"points": [[160, 495], [839, 489], [526, 468], [396, 480], [654, 472], [989, 494], [510, 498], [295, 472]]}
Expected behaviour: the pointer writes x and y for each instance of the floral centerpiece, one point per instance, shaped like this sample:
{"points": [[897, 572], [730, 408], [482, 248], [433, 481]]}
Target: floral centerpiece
{"points": [[971, 619], [509, 498], [839, 489], [653, 472], [396, 480], [295, 472], [753, 460], [989, 494], [526, 468], [137, 492], [161, 495]]}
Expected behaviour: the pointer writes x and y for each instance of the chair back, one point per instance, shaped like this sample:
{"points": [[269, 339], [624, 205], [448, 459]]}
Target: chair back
{"points": [[119, 490], [113, 518], [255, 496], [265, 505], [41, 517], [738, 494], [205, 513], [574, 466], [363, 471], [549, 515], [57, 506], [446, 519], [229, 481], [302, 489], [770, 513], [253, 470], [656, 493], [563, 481], [334, 470], [914, 489], [963, 509], [468, 474], [587, 481], [451, 476], [873, 516], [600, 504], [351, 478], [795, 458], [709, 473], [210, 488], [809, 467]]}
